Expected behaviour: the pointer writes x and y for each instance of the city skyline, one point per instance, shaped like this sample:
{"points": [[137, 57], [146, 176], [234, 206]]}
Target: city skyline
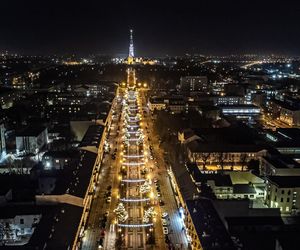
{"points": [[160, 28], [110, 141]]}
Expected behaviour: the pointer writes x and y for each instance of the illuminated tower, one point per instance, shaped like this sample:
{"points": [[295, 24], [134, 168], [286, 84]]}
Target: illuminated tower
{"points": [[131, 49]]}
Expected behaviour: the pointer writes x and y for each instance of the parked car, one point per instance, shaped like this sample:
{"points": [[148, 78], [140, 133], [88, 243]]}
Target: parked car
{"points": [[100, 243], [161, 203], [164, 215], [164, 222], [165, 230]]}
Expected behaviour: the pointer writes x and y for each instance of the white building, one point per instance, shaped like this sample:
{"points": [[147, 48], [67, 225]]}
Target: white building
{"points": [[18, 227], [283, 192], [194, 83], [2, 140], [31, 140]]}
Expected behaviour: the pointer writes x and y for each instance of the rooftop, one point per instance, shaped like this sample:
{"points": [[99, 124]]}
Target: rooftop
{"points": [[220, 180], [285, 181], [282, 161], [285, 105], [62, 154], [209, 227], [92, 136], [187, 187], [252, 220], [198, 146], [289, 133], [31, 131], [75, 180], [243, 189], [245, 178]]}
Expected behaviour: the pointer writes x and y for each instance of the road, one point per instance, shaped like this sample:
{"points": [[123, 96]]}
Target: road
{"points": [[107, 177], [134, 189]]}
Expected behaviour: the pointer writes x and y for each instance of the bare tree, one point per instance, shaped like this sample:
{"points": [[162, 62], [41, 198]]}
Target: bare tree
{"points": [[204, 157], [244, 159], [221, 159]]}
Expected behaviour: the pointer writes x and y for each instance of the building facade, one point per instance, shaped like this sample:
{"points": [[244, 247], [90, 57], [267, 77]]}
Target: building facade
{"points": [[31, 140], [194, 83], [283, 192]]}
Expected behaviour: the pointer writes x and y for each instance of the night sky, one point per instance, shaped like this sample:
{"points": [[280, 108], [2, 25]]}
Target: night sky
{"points": [[160, 27]]}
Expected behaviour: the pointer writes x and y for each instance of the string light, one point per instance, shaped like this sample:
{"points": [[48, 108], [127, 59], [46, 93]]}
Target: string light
{"points": [[135, 200], [133, 156], [133, 163], [136, 225], [133, 180]]}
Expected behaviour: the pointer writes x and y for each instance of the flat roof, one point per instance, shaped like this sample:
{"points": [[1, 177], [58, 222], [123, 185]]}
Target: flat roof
{"points": [[92, 136], [21, 183], [243, 189], [62, 154], [282, 161], [75, 181], [56, 229], [255, 220], [239, 106], [240, 134], [198, 146], [219, 179], [209, 227], [31, 131], [285, 105], [245, 178], [285, 181], [289, 133], [187, 187]]}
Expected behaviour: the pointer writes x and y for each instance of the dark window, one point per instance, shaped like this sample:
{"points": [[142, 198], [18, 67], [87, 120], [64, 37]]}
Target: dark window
{"points": [[275, 199], [282, 191], [21, 221], [281, 200], [288, 200], [289, 192]]}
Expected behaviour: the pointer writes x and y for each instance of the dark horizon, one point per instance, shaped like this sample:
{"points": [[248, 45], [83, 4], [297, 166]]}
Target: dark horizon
{"points": [[206, 27]]}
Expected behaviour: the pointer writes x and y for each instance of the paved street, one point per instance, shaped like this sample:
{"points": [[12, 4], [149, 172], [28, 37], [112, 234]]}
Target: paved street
{"points": [[134, 190], [177, 235]]}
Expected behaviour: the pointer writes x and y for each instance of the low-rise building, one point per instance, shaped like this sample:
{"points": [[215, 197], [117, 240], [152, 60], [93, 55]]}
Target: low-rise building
{"points": [[242, 110], [285, 112], [31, 140], [204, 228], [157, 103], [282, 165], [2, 140], [194, 83], [227, 148], [228, 100], [59, 159], [229, 185], [17, 224], [283, 192]]}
